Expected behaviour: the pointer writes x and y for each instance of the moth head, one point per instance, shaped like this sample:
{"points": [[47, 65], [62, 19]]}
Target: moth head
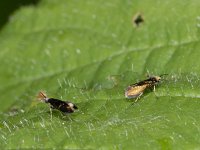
{"points": [[157, 78], [71, 106], [42, 96]]}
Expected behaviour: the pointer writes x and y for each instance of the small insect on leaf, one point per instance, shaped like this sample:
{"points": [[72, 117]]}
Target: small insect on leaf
{"points": [[63, 106], [136, 90], [138, 19]]}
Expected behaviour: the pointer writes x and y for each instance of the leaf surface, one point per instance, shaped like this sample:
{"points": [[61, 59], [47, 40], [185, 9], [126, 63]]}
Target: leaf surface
{"points": [[88, 52]]}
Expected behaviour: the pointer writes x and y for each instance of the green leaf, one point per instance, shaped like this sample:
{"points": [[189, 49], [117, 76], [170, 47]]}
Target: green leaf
{"points": [[88, 52]]}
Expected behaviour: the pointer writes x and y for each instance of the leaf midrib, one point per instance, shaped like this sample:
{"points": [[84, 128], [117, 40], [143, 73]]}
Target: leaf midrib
{"points": [[47, 75]]}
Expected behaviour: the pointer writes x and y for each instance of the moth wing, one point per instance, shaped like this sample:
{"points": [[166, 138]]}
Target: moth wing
{"points": [[134, 91]]}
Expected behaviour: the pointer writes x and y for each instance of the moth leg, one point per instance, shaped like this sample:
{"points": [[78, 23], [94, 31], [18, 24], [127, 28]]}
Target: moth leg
{"points": [[138, 97], [50, 114], [154, 88], [52, 107]]}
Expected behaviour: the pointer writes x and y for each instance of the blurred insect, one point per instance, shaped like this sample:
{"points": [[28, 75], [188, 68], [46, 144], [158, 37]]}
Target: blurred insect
{"points": [[138, 19], [137, 89], [63, 106]]}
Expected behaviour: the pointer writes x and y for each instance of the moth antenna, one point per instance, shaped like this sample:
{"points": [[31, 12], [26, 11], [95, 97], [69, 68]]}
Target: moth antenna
{"points": [[163, 75], [42, 96]]}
